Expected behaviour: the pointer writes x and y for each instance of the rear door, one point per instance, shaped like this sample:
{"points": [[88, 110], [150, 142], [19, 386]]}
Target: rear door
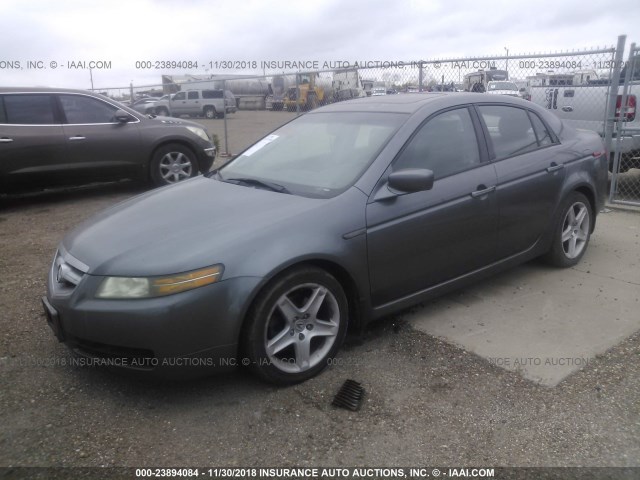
{"points": [[418, 240], [194, 104], [99, 147], [530, 168], [33, 150]]}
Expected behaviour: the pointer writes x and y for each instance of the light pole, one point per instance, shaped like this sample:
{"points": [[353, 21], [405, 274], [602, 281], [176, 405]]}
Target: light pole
{"points": [[507, 63]]}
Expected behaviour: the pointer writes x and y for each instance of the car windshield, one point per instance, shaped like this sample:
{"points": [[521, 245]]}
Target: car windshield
{"points": [[317, 155], [503, 86]]}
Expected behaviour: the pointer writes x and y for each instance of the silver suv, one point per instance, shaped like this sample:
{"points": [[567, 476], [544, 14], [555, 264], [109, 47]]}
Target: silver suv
{"points": [[205, 103]]}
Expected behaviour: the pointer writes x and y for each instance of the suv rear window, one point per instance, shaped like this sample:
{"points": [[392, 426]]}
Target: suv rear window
{"points": [[3, 116], [212, 94], [29, 109]]}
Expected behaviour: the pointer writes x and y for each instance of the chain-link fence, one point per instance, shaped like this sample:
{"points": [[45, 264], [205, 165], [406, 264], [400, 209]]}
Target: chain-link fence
{"points": [[625, 178], [580, 87]]}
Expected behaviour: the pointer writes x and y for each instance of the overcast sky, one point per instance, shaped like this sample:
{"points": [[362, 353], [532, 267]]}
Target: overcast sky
{"points": [[123, 32]]}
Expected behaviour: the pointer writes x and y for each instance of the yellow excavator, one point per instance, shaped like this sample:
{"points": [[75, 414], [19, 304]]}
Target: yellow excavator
{"points": [[310, 96]]}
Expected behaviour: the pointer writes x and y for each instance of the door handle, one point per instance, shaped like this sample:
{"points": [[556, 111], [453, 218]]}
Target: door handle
{"points": [[483, 191], [6, 140], [567, 108], [555, 167], [77, 137]]}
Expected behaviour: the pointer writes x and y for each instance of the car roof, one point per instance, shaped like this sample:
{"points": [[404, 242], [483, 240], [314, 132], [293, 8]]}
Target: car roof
{"points": [[412, 102], [43, 90], [5, 90]]}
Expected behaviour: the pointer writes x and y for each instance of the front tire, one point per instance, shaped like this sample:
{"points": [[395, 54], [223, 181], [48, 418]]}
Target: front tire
{"points": [[173, 163], [296, 324], [162, 112], [572, 232]]}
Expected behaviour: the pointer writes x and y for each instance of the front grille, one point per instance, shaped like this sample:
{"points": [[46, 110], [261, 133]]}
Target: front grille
{"points": [[67, 272]]}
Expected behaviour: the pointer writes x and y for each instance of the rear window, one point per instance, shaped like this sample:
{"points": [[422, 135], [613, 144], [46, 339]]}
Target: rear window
{"points": [[3, 115], [28, 109], [544, 138], [212, 94]]}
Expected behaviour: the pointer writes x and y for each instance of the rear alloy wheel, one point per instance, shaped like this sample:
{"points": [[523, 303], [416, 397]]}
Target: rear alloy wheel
{"points": [[172, 164], [210, 113], [296, 325], [572, 232]]}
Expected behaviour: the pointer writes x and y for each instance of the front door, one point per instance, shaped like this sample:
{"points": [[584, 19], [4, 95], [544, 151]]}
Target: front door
{"points": [[419, 240], [99, 147]]}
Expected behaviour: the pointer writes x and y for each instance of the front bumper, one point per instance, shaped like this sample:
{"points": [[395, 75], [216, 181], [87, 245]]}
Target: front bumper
{"points": [[196, 331], [205, 158]]}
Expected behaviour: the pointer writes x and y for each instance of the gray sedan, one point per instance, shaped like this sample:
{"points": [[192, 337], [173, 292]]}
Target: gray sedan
{"points": [[346, 214]]}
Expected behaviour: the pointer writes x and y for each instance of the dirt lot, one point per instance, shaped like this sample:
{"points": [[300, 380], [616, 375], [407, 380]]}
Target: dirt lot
{"points": [[427, 402], [245, 127]]}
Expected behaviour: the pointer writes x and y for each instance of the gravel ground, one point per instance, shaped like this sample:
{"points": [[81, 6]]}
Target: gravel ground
{"points": [[426, 403]]}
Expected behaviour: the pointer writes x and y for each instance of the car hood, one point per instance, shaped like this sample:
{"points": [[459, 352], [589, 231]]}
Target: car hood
{"points": [[504, 92], [174, 121], [182, 227]]}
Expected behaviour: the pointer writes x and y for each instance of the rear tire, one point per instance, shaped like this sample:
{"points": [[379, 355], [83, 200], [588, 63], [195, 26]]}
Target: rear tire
{"points": [[571, 233], [209, 113], [295, 326]]}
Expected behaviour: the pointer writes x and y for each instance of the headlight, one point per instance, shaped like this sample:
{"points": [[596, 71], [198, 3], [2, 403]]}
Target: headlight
{"points": [[137, 287], [201, 132]]}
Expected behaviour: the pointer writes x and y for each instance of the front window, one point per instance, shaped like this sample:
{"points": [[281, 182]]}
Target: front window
{"points": [[317, 155], [446, 144], [81, 110]]}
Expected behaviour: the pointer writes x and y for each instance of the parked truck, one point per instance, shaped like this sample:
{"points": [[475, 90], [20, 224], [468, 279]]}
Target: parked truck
{"points": [[584, 106], [347, 84], [205, 103]]}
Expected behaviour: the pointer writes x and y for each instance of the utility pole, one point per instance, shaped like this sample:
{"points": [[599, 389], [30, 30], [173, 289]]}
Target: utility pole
{"points": [[507, 62], [91, 76]]}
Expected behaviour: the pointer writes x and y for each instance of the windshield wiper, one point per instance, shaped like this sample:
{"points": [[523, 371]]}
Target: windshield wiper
{"points": [[254, 182]]}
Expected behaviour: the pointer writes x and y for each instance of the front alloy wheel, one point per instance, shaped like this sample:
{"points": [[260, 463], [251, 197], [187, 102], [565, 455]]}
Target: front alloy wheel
{"points": [[172, 164], [298, 323]]}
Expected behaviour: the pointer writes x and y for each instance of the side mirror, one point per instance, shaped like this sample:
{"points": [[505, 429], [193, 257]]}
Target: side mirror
{"points": [[411, 180], [122, 117], [404, 181]]}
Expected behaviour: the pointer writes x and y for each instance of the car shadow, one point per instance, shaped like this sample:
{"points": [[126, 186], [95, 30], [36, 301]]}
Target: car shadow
{"points": [[50, 196]]}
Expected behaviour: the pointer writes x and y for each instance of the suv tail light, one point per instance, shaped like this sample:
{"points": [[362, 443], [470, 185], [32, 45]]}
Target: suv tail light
{"points": [[630, 111]]}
